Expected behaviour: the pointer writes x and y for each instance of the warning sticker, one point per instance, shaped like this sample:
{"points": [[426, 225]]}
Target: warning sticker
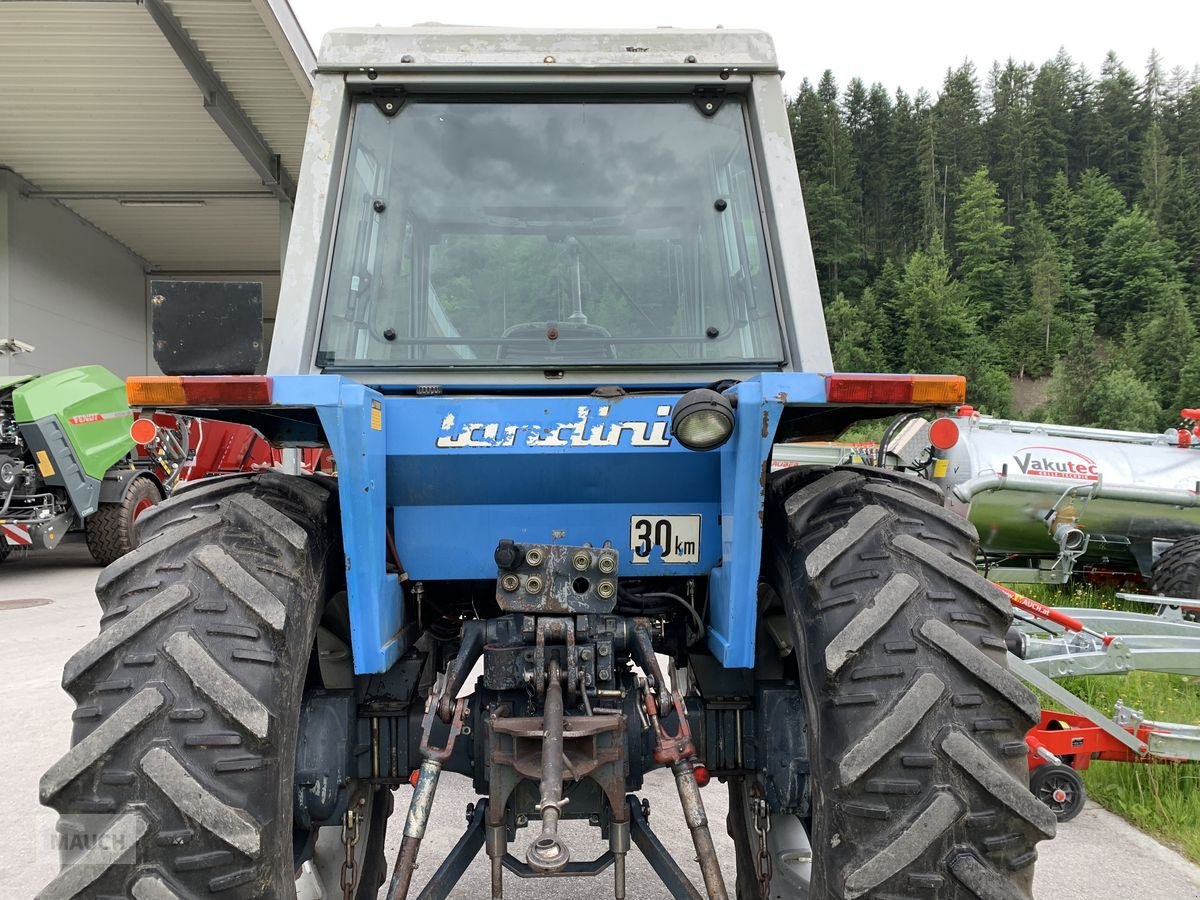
{"points": [[376, 416], [43, 463], [16, 535]]}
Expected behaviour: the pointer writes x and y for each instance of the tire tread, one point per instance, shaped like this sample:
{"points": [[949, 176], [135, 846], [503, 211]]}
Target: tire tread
{"points": [[876, 577], [110, 531], [1176, 572], [195, 618]]}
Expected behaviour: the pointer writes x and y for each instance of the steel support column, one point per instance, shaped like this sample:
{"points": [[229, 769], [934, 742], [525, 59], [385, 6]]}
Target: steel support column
{"points": [[4, 276], [219, 104]]}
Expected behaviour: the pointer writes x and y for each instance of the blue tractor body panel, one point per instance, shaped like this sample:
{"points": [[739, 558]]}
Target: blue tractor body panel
{"points": [[460, 472]]}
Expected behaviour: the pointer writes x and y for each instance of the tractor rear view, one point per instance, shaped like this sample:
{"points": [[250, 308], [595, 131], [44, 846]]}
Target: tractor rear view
{"points": [[550, 303]]}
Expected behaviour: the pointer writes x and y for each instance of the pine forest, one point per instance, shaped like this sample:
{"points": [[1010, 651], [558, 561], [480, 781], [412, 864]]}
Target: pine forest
{"points": [[1036, 229]]}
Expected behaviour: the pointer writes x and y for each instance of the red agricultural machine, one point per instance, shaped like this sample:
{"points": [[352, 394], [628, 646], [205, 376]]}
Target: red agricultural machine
{"points": [[1050, 643], [222, 448]]}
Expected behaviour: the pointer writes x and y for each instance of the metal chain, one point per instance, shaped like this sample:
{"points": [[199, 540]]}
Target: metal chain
{"points": [[762, 826], [349, 838]]}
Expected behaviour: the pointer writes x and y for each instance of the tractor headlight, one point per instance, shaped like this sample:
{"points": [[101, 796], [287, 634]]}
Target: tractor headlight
{"points": [[702, 419]]}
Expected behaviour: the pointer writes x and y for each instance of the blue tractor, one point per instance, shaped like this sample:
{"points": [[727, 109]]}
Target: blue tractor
{"points": [[549, 301]]}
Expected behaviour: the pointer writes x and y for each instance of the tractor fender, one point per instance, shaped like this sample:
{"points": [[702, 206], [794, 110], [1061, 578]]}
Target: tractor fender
{"points": [[116, 482], [185, 487], [59, 464]]}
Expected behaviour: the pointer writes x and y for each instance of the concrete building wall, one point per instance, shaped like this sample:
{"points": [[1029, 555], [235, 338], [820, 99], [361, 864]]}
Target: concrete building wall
{"points": [[74, 293]]}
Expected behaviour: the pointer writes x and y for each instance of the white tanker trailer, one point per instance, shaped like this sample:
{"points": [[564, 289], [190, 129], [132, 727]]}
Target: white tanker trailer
{"points": [[1050, 499]]}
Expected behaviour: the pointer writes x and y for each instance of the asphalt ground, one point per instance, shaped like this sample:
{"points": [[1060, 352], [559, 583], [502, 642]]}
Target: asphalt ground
{"points": [[1097, 855]]}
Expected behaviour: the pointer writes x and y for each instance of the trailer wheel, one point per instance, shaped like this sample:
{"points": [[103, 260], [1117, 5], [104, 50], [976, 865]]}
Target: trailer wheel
{"points": [[1176, 572], [1060, 788], [189, 699], [110, 529], [915, 727]]}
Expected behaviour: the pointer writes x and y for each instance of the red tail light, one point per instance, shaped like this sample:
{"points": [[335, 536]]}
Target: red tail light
{"points": [[199, 390], [930, 390]]}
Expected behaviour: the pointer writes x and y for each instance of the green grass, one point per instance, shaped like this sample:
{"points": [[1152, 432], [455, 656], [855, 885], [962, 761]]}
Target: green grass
{"points": [[1163, 800]]}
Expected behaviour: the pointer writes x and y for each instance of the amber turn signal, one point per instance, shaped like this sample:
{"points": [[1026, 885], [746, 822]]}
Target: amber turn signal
{"points": [[198, 390]]}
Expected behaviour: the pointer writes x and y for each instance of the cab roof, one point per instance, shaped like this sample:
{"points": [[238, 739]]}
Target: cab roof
{"points": [[444, 48]]}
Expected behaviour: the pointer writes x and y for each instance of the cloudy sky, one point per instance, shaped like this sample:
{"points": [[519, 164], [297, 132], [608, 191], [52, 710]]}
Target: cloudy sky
{"points": [[901, 44]]}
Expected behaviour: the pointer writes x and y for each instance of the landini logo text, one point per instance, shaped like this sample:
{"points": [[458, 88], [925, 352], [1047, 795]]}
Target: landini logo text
{"points": [[590, 429]]}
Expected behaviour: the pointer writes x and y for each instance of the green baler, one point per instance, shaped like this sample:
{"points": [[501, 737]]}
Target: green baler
{"points": [[67, 461]]}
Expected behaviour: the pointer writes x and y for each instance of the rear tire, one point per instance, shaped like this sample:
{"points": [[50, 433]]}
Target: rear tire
{"points": [[189, 699], [916, 728], [110, 529], [1176, 572]]}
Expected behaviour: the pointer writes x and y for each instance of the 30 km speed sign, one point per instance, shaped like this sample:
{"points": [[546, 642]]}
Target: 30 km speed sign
{"points": [[676, 537]]}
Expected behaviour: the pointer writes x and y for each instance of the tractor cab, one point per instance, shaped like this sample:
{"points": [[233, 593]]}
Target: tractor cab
{"points": [[606, 213]]}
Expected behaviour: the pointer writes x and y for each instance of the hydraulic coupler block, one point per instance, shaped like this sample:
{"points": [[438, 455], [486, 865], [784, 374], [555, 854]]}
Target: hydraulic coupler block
{"points": [[555, 579]]}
